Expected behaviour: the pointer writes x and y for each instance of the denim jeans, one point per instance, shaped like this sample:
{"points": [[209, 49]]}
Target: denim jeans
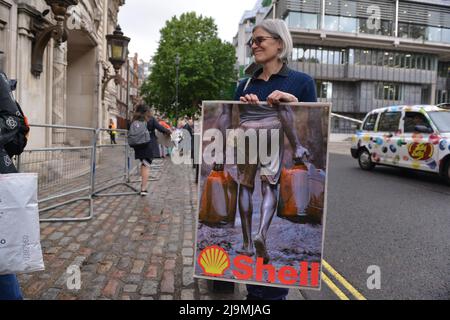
{"points": [[9, 288], [266, 293]]}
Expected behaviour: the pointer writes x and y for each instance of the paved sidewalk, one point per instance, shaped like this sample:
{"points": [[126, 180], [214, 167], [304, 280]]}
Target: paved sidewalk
{"points": [[134, 248]]}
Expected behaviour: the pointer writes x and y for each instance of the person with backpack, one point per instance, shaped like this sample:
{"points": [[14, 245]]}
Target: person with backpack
{"points": [[13, 138], [141, 139]]}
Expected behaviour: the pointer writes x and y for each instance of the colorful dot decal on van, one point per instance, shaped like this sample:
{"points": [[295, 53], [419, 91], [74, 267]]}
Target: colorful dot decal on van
{"points": [[400, 142], [415, 164], [393, 148], [443, 145], [432, 164], [434, 139], [379, 141]]}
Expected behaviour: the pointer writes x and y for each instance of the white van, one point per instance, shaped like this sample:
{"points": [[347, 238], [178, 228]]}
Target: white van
{"points": [[416, 137]]}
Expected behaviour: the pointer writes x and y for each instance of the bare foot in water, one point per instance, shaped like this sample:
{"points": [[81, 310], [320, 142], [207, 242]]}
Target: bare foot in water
{"points": [[246, 250], [261, 250]]}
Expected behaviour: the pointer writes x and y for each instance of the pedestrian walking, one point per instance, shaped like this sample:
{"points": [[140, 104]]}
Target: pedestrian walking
{"points": [[154, 125], [165, 144], [142, 139], [189, 127], [9, 285], [112, 132]]}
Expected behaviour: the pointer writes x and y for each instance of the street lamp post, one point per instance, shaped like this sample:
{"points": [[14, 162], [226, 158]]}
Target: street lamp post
{"points": [[128, 91], [177, 64], [117, 54]]}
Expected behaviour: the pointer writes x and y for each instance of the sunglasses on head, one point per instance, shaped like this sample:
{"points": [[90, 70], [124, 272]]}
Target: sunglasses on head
{"points": [[259, 40]]}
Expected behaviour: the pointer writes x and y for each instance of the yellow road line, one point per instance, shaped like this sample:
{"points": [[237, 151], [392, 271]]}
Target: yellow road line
{"points": [[342, 280], [333, 287]]}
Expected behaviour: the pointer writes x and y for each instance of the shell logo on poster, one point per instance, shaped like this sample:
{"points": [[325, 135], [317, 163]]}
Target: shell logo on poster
{"points": [[421, 151], [214, 261]]}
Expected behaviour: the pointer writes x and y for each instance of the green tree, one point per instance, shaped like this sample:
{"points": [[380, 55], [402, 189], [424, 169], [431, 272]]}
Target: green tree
{"points": [[206, 67]]}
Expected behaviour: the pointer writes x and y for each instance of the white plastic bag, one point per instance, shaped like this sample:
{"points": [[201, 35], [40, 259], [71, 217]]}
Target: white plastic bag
{"points": [[20, 247]]}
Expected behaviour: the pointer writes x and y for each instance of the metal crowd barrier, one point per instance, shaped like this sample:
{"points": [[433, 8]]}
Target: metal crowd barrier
{"points": [[80, 165], [65, 170], [112, 173]]}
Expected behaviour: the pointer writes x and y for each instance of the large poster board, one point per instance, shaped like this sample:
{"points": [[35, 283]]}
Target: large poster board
{"points": [[262, 207]]}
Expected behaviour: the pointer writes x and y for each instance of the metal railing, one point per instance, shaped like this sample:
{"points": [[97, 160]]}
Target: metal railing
{"points": [[343, 124], [65, 170], [80, 166], [111, 173]]}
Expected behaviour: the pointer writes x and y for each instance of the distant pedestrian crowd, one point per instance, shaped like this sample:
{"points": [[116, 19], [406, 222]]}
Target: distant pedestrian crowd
{"points": [[154, 136]]}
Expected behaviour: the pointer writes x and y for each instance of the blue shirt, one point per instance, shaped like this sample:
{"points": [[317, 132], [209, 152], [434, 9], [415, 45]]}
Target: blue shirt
{"points": [[287, 80]]}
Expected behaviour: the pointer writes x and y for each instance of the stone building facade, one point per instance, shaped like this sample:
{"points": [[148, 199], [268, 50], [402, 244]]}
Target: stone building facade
{"points": [[68, 91]]}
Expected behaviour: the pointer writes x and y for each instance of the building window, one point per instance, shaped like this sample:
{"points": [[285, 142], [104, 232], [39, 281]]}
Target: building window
{"points": [[422, 32], [444, 69], [442, 96], [341, 24], [446, 35], [380, 58], [308, 21], [407, 63], [348, 24], [425, 95], [319, 55], [417, 32], [302, 20], [397, 60], [293, 19], [403, 30], [331, 23], [434, 34], [351, 56], [391, 59], [324, 90], [388, 91], [385, 27]]}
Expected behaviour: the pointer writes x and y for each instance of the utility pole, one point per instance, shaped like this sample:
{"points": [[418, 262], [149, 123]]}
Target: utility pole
{"points": [[177, 63], [128, 92]]}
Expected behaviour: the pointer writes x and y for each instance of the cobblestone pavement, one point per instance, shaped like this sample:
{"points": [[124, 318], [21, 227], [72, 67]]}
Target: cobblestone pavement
{"points": [[134, 247]]}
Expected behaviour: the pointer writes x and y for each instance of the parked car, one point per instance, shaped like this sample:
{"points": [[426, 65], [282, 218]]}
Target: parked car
{"points": [[416, 137]]}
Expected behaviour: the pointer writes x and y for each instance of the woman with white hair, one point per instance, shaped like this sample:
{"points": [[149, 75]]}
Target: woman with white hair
{"points": [[274, 82]]}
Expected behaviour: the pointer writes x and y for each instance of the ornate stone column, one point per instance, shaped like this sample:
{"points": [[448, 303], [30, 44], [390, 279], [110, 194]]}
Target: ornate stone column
{"points": [[59, 92]]}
